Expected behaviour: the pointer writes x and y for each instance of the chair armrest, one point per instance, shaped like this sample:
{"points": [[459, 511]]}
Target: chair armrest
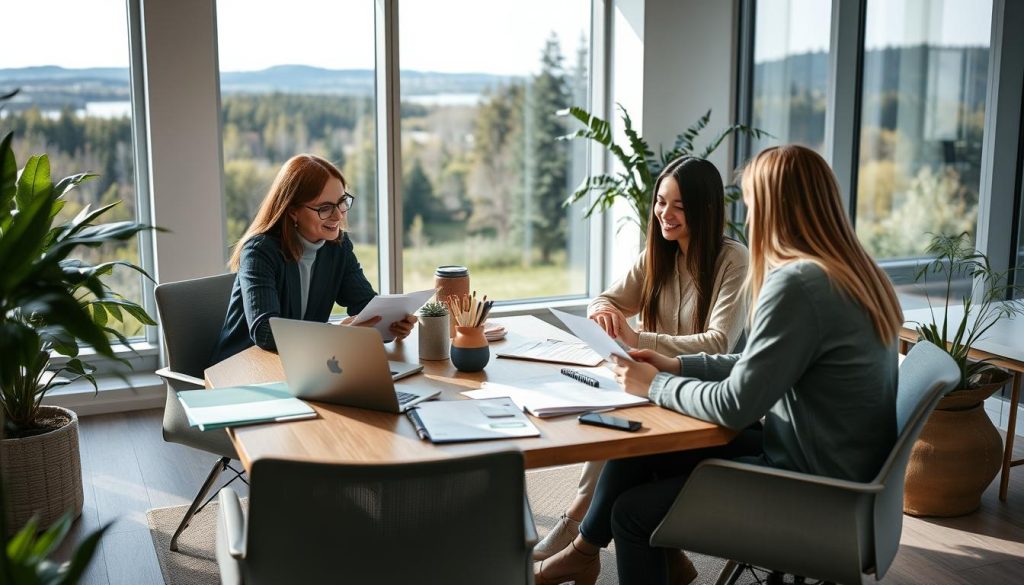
{"points": [[234, 522], [789, 521], [531, 529], [169, 374]]}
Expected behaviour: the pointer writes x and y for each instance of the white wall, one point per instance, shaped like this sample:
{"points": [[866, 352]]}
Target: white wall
{"points": [[672, 61], [182, 97]]}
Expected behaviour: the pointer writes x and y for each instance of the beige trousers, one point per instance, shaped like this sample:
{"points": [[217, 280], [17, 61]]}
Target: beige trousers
{"points": [[588, 479]]}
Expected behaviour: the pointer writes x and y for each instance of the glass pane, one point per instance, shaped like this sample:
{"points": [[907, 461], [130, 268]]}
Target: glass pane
{"points": [[311, 90], [923, 115], [790, 80], [484, 174], [75, 106]]}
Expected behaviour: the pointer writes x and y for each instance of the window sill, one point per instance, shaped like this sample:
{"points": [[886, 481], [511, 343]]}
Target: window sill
{"points": [[135, 391]]}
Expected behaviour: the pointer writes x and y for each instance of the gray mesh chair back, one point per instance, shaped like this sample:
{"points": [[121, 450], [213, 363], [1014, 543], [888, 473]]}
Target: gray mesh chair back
{"points": [[191, 317], [451, 521], [818, 527]]}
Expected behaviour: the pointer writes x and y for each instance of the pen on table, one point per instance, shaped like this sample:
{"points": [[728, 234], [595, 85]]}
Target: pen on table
{"points": [[421, 430]]}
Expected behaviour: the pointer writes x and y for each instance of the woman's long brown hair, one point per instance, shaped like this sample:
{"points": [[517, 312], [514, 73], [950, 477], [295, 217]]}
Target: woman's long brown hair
{"points": [[300, 180], [703, 198], [797, 214]]}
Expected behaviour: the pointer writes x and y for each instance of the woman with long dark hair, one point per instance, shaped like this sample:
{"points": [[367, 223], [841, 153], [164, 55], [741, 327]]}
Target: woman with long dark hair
{"points": [[685, 287], [820, 365], [295, 259]]}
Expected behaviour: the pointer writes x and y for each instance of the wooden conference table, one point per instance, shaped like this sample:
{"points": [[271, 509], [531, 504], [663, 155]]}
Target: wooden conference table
{"points": [[342, 434], [1002, 346]]}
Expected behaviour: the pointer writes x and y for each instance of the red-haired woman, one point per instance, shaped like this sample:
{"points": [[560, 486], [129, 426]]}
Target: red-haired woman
{"points": [[295, 260]]}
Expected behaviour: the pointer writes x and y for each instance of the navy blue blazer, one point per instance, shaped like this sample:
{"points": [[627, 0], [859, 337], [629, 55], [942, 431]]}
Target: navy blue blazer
{"points": [[267, 285]]}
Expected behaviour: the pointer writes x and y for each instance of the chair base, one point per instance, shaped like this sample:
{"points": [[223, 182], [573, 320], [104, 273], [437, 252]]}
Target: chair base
{"points": [[732, 571], [222, 464]]}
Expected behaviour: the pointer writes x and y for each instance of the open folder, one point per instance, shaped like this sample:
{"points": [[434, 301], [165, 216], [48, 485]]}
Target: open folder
{"points": [[242, 405], [449, 421]]}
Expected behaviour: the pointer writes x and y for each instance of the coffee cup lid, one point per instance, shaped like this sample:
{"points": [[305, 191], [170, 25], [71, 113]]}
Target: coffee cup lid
{"points": [[451, 271]]}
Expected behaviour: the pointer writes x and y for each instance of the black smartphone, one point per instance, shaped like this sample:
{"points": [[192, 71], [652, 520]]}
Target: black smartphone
{"points": [[611, 422]]}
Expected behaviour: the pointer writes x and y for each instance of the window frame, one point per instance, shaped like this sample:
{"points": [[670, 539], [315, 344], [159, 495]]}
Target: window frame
{"points": [[1000, 189]]}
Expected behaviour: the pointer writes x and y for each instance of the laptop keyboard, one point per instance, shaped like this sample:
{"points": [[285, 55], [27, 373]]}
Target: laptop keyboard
{"points": [[405, 397]]}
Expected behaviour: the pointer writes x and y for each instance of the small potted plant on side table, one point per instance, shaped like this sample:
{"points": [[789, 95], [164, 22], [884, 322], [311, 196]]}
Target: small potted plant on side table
{"points": [[959, 450], [433, 337]]}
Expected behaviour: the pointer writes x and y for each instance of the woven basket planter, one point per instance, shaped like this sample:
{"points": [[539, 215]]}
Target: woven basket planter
{"points": [[43, 474]]}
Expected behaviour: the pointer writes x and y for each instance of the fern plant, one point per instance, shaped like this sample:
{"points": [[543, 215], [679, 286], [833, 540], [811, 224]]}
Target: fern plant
{"points": [[955, 258], [640, 167]]}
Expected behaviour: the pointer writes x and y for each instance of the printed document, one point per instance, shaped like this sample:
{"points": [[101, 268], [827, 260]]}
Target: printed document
{"points": [[556, 395], [392, 308], [591, 333]]}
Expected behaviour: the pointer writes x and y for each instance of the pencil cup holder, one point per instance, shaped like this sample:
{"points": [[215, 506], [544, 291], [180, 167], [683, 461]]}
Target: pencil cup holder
{"points": [[434, 339], [470, 352]]}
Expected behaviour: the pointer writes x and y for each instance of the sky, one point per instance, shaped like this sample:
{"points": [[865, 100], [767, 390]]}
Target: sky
{"points": [[790, 27], [493, 36]]}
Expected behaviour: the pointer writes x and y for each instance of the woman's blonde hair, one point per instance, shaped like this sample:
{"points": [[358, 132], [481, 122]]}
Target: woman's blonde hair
{"points": [[300, 180], [797, 214]]}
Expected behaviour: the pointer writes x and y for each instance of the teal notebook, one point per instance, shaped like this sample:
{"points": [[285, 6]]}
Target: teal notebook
{"points": [[242, 405]]}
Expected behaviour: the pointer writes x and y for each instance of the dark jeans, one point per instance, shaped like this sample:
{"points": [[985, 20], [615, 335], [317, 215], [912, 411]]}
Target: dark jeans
{"points": [[633, 495]]}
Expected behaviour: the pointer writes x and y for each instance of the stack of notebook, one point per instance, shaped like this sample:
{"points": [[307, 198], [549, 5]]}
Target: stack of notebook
{"points": [[242, 405]]}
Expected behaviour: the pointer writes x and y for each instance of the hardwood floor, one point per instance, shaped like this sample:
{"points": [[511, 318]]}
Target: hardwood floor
{"points": [[128, 468]]}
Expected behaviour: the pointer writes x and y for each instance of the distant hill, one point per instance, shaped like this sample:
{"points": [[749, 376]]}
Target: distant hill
{"points": [[101, 83]]}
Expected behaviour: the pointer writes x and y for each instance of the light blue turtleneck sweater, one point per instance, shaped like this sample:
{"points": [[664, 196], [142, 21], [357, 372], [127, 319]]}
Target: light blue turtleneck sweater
{"points": [[309, 250]]}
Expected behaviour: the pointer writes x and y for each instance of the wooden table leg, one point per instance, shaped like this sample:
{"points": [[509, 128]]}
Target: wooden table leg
{"points": [[1011, 426]]}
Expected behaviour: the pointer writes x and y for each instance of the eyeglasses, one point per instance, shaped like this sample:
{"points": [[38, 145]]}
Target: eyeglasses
{"points": [[326, 210]]}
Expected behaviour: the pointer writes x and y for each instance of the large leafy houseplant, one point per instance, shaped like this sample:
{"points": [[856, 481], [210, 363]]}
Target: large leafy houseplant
{"points": [[50, 303], [640, 167]]}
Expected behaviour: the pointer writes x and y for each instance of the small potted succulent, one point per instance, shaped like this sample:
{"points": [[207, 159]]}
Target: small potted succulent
{"points": [[433, 337]]}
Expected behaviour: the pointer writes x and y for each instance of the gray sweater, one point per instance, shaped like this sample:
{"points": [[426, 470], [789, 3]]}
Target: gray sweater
{"points": [[813, 366]]}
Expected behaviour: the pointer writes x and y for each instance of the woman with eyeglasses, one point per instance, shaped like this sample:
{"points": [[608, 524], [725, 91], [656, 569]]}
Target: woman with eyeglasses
{"points": [[295, 260]]}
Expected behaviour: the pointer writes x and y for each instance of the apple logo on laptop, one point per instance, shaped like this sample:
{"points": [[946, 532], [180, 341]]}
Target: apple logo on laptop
{"points": [[332, 365]]}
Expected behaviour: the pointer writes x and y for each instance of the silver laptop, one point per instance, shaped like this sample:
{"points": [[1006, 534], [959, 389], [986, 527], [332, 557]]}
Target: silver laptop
{"points": [[344, 365]]}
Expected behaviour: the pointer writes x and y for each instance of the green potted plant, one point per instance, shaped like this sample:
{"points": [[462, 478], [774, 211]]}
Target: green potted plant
{"points": [[50, 303], [959, 451], [434, 339], [634, 184], [24, 558]]}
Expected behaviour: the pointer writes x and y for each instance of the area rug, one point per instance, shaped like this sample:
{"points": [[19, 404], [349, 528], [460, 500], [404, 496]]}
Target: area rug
{"points": [[550, 491]]}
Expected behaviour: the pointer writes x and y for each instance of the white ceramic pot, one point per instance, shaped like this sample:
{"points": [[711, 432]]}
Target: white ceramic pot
{"points": [[434, 341]]}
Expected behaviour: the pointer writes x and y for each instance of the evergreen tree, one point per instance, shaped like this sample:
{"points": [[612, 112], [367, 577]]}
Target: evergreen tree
{"points": [[547, 157], [417, 197]]}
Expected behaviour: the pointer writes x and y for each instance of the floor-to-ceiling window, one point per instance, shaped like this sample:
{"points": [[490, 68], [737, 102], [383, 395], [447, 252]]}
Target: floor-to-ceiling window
{"points": [[922, 118], [70, 61], [298, 77], [484, 174], [790, 74]]}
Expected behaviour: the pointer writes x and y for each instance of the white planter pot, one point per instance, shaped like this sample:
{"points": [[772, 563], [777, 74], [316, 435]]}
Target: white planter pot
{"points": [[433, 338]]}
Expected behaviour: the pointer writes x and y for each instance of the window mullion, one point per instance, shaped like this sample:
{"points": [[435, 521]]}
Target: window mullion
{"points": [[842, 118], [999, 153], [389, 151]]}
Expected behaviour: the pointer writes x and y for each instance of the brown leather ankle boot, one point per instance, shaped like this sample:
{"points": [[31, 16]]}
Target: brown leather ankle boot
{"points": [[569, 564]]}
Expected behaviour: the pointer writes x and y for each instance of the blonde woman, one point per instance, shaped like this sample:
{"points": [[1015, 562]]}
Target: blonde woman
{"points": [[295, 259], [820, 365], [685, 287]]}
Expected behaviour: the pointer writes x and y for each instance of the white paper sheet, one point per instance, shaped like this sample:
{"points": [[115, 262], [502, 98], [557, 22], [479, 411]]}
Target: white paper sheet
{"points": [[555, 394], [591, 333], [392, 308]]}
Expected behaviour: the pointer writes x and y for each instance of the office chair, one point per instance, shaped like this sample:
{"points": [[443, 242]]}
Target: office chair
{"points": [[816, 527], [454, 521], [191, 316]]}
